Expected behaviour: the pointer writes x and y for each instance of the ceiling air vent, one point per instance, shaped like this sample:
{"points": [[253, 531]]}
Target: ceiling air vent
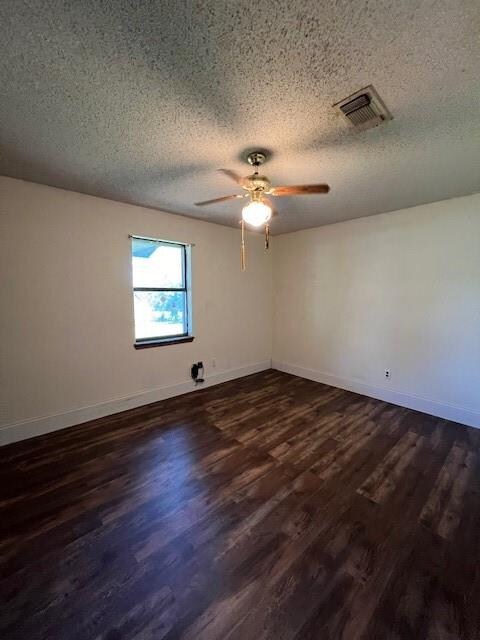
{"points": [[364, 109]]}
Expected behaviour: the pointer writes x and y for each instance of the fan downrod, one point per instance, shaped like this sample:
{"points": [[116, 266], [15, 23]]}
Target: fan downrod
{"points": [[256, 158]]}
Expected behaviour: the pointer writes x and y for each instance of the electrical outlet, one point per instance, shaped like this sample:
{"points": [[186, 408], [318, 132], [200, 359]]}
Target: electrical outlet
{"points": [[197, 367], [387, 373], [214, 363]]}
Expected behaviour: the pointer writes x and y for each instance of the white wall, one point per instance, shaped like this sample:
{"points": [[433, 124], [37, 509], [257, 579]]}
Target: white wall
{"points": [[67, 309], [399, 291]]}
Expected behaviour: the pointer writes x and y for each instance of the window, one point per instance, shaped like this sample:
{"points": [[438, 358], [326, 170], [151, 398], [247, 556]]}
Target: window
{"points": [[161, 292]]}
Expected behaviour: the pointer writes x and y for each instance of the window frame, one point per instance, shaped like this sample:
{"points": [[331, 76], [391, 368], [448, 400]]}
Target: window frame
{"points": [[186, 336]]}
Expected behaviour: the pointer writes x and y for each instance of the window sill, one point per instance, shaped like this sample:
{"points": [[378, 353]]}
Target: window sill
{"points": [[162, 342]]}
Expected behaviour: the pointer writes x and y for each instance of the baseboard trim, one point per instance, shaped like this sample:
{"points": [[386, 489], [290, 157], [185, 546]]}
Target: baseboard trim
{"points": [[38, 426], [432, 407]]}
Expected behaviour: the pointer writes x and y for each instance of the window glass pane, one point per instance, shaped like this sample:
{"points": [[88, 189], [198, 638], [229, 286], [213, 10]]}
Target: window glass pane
{"points": [[155, 264], [159, 314]]}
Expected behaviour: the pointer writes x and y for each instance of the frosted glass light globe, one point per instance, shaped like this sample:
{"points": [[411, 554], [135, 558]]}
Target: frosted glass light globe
{"points": [[256, 213]]}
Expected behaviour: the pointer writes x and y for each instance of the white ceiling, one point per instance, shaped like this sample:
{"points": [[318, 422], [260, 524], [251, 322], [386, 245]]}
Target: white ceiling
{"points": [[142, 101]]}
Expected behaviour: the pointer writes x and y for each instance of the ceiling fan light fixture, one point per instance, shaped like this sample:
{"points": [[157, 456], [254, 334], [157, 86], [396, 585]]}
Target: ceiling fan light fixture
{"points": [[259, 210], [256, 213]]}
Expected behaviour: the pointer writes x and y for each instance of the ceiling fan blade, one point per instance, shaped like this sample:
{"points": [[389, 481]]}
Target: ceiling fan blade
{"points": [[300, 189], [233, 176], [215, 200]]}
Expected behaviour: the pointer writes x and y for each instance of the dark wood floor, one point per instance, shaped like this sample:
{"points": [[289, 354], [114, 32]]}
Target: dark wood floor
{"points": [[269, 507]]}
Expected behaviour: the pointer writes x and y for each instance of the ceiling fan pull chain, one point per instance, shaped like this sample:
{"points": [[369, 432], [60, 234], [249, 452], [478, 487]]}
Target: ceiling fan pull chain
{"points": [[267, 237], [243, 263]]}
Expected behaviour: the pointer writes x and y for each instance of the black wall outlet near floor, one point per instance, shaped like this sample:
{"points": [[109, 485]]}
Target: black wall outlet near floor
{"points": [[197, 372]]}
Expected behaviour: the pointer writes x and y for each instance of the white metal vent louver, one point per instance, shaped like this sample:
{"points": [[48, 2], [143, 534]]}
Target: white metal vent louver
{"points": [[364, 109]]}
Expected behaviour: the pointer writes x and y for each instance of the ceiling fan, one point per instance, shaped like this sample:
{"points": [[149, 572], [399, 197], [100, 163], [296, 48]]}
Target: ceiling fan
{"points": [[260, 209]]}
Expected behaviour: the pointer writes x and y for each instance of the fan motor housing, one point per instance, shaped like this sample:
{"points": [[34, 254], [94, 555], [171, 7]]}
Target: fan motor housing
{"points": [[256, 182]]}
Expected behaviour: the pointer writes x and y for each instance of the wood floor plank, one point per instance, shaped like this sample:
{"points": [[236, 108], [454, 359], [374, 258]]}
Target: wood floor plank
{"points": [[390, 472], [265, 507], [442, 511]]}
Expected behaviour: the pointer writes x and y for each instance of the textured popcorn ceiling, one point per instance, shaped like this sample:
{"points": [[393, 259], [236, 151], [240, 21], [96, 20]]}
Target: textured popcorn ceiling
{"points": [[142, 101]]}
